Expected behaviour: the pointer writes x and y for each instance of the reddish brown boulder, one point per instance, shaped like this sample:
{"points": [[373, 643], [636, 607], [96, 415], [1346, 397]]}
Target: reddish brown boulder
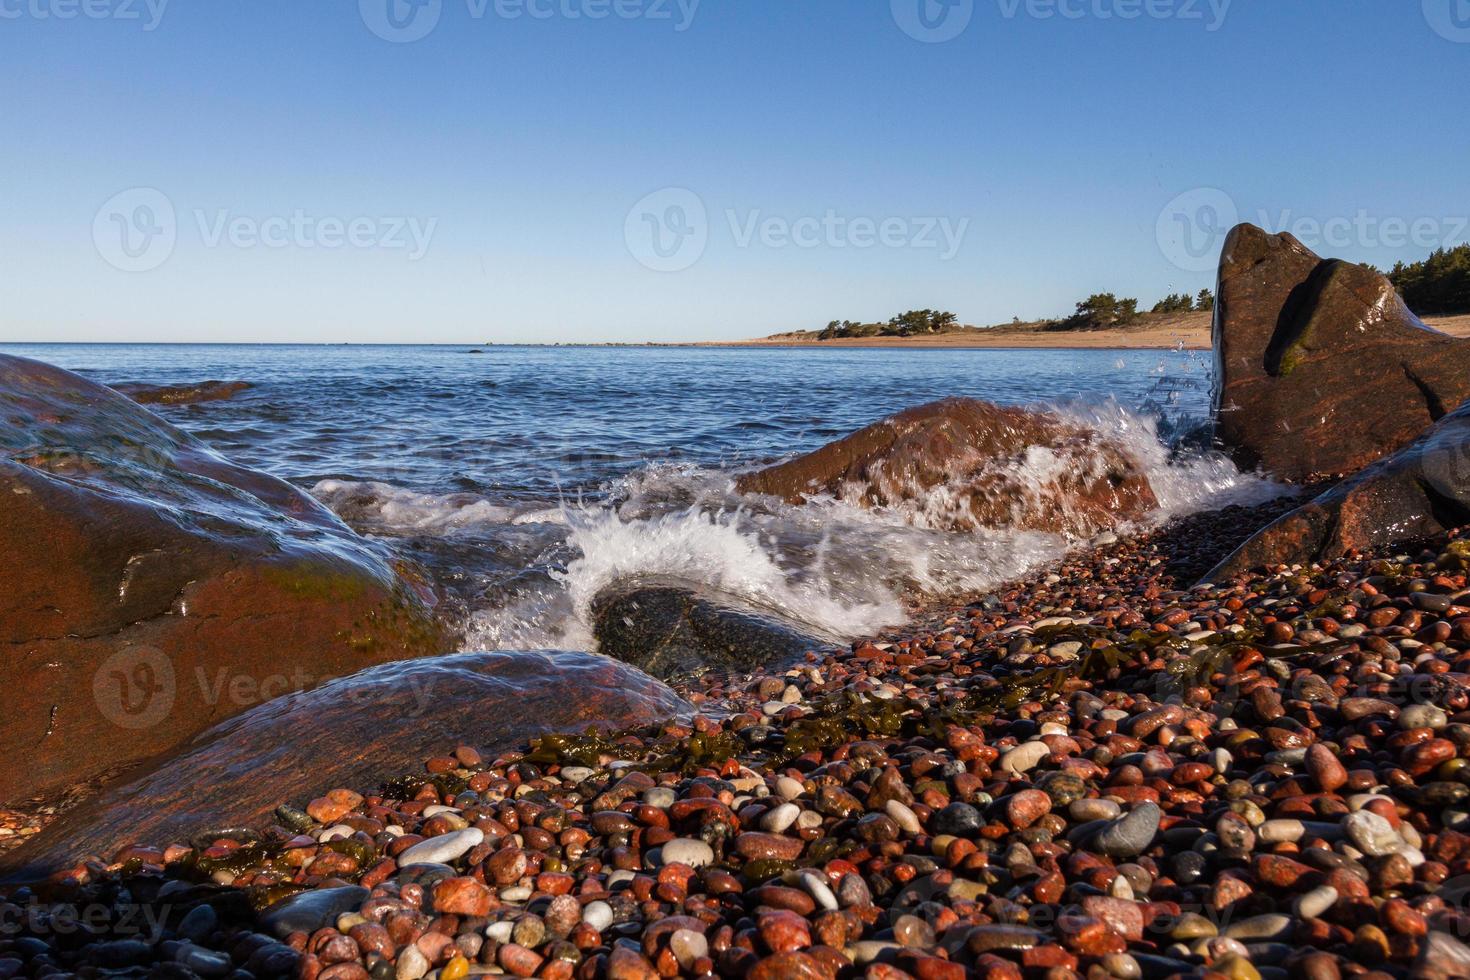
{"points": [[1320, 367], [999, 467], [152, 588], [204, 391], [1418, 493], [358, 731]]}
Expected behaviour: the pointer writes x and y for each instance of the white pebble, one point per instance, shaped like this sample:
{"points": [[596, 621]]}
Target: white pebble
{"points": [[1372, 834], [685, 850], [1024, 757], [598, 915], [412, 964], [907, 820], [660, 796], [776, 821], [789, 788], [819, 890], [1315, 902], [443, 849]]}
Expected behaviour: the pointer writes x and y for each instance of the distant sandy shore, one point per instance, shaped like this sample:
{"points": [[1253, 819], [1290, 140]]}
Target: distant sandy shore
{"points": [[1188, 331]]}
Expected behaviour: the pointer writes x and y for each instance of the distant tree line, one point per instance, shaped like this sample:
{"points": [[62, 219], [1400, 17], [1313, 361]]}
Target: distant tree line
{"points": [[1437, 286], [1105, 311], [911, 324], [1203, 302], [1101, 311]]}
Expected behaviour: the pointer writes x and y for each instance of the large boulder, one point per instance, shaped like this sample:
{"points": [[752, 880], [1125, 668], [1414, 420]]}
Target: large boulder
{"points": [[357, 731], [1320, 367], [152, 588], [677, 630], [1420, 492], [997, 467]]}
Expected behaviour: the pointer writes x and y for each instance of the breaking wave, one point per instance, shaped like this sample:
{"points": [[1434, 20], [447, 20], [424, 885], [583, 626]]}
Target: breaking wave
{"points": [[524, 576]]}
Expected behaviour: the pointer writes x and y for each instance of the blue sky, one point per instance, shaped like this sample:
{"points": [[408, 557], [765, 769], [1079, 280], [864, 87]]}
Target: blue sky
{"points": [[277, 170]]}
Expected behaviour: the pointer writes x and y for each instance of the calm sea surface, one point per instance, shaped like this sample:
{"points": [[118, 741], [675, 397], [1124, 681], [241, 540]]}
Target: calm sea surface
{"points": [[528, 478], [533, 423]]}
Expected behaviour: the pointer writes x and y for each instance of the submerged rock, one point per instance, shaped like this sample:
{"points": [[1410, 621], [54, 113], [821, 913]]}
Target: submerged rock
{"points": [[963, 464], [1420, 492], [361, 730], [152, 588], [674, 629], [1320, 367], [204, 391]]}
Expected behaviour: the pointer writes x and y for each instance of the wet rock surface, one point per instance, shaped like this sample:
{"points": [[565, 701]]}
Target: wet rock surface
{"points": [[1320, 368], [1419, 493], [186, 394], [675, 630], [163, 564], [357, 731], [1079, 483]]}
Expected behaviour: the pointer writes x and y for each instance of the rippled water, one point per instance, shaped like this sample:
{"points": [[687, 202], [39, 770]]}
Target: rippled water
{"points": [[527, 479]]}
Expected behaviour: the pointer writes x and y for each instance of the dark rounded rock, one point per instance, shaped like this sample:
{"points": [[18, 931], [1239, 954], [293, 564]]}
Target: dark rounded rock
{"points": [[309, 911], [959, 819]]}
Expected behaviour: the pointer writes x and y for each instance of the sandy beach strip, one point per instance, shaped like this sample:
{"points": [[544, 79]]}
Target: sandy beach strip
{"points": [[1190, 331]]}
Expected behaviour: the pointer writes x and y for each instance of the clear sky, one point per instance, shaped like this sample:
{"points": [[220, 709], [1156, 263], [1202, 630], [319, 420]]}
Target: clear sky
{"points": [[589, 170]]}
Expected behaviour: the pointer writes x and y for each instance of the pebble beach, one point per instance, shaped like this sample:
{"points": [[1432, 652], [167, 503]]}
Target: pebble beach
{"points": [[1100, 771]]}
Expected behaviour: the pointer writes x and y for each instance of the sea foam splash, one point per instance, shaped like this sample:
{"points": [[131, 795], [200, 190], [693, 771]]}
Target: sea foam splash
{"points": [[526, 577]]}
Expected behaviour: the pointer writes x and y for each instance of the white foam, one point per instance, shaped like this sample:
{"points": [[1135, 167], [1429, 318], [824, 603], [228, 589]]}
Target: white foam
{"points": [[845, 569], [384, 508]]}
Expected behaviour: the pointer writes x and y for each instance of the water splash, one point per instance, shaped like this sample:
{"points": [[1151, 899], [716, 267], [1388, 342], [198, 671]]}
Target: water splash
{"points": [[528, 574]]}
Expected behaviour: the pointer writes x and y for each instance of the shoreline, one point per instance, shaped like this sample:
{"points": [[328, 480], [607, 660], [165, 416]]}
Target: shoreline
{"points": [[1181, 332], [1177, 332]]}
